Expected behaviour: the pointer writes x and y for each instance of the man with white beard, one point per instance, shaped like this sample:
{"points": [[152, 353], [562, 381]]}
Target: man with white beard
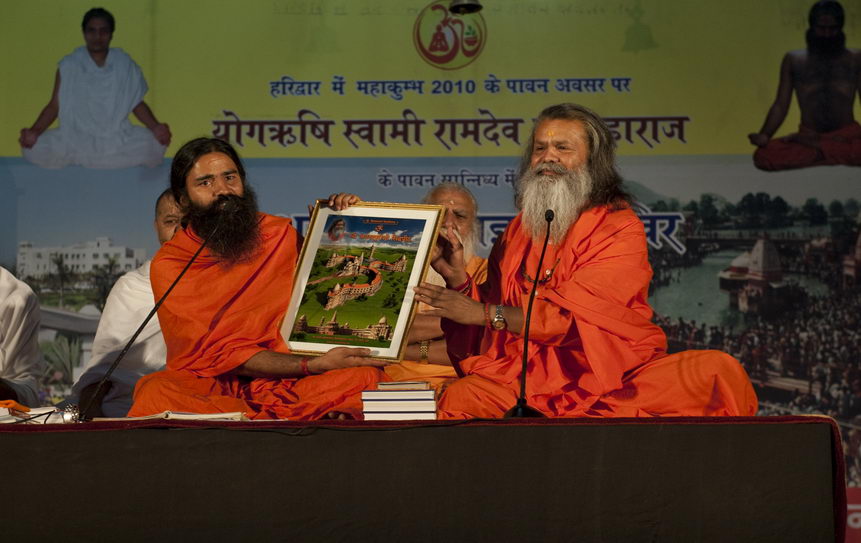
{"points": [[593, 350], [426, 356]]}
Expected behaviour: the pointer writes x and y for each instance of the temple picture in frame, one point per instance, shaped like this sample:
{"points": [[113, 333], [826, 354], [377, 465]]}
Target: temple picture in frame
{"points": [[353, 285]]}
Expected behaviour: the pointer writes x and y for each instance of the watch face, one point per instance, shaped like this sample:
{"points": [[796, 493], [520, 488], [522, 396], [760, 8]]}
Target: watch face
{"points": [[499, 319]]}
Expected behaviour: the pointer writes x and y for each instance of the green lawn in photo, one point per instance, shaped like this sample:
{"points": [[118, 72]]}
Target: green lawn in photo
{"points": [[361, 312]]}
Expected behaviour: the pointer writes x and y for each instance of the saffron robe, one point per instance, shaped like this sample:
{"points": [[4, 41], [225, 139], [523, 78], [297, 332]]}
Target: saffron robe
{"points": [[438, 375], [593, 350], [841, 146], [218, 316], [95, 103]]}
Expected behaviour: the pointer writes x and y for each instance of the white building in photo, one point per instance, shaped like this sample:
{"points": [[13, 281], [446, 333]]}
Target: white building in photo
{"points": [[36, 262]]}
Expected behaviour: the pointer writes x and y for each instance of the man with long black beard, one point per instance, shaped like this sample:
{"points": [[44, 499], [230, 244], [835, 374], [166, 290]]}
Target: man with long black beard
{"points": [[221, 321], [826, 77], [593, 350]]}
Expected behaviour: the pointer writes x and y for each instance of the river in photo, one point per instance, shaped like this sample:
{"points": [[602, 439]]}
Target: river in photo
{"points": [[696, 295]]}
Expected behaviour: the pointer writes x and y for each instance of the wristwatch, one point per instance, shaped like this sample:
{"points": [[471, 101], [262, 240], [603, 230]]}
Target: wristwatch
{"points": [[423, 351], [498, 321]]}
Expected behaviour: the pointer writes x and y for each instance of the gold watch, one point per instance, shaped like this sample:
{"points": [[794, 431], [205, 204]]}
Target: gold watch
{"points": [[423, 351], [498, 321]]}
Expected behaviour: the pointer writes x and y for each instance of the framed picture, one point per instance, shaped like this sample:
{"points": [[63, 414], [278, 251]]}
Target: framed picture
{"points": [[355, 278]]}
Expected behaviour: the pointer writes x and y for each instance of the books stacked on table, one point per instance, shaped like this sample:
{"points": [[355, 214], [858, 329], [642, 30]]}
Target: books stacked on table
{"points": [[400, 400]]}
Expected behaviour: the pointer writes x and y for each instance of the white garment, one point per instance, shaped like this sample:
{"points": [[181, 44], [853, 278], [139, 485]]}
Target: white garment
{"points": [[128, 304], [21, 362], [95, 103]]}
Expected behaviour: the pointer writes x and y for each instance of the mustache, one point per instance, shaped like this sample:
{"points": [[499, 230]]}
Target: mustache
{"points": [[554, 167]]}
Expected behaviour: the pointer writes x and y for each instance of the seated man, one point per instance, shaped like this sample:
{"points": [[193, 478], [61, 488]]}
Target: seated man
{"points": [[426, 357], [221, 322], [21, 362], [128, 304], [826, 78], [593, 350], [95, 89]]}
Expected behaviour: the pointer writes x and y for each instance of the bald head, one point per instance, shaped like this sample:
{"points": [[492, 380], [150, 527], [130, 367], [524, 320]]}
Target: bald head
{"points": [[461, 209]]}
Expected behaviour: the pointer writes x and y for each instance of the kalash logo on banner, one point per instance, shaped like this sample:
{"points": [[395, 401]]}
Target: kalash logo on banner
{"points": [[448, 41]]}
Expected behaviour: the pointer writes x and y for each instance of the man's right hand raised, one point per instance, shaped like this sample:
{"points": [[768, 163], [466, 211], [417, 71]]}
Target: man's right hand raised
{"points": [[447, 258]]}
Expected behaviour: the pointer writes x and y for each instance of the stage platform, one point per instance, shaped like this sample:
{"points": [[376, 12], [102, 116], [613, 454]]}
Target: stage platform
{"points": [[756, 479]]}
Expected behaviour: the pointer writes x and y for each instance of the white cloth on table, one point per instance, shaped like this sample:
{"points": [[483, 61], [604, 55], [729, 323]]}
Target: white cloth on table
{"points": [[128, 304], [21, 361], [95, 103]]}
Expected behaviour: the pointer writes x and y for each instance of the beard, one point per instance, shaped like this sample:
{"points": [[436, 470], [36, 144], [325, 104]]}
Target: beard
{"points": [[567, 194], [230, 224], [826, 47]]}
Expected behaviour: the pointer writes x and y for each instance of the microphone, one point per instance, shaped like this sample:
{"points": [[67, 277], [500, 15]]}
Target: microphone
{"points": [[521, 409], [228, 205]]}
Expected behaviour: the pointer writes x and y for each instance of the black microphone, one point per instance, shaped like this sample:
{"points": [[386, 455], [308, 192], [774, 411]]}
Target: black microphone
{"points": [[227, 205], [521, 409]]}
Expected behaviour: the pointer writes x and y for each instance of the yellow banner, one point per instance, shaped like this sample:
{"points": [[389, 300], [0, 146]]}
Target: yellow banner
{"points": [[403, 78]]}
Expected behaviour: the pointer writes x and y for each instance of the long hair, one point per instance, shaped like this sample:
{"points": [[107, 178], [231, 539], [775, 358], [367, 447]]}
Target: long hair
{"points": [[188, 155], [826, 7], [601, 162]]}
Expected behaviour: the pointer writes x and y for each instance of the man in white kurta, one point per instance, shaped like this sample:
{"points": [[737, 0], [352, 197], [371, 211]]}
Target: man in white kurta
{"points": [[21, 362], [128, 304], [96, 88]]}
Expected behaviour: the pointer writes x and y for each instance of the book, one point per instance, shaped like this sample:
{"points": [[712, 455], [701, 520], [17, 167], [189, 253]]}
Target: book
{"points": [[403, 385], [401, 416], [400, 403], [172, 415], [383, 406], [429, 394]]}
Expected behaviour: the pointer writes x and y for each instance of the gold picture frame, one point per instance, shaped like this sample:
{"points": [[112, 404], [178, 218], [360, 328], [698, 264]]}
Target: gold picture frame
{"points": [[353, 285]]}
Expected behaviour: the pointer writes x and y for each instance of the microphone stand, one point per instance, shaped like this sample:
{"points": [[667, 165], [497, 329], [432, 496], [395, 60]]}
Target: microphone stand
{"points": [[83, 415], [521, 409]]}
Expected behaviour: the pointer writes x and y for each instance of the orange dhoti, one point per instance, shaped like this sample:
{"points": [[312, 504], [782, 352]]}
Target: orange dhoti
{"points": [[309, 398], [842, 146], [437, 375], [687, 384]]}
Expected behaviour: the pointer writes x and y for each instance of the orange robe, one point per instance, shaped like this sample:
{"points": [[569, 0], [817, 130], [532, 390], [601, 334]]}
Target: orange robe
{"points": [[217, 317], [842, 146], [593, 350], [437, 375]]}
